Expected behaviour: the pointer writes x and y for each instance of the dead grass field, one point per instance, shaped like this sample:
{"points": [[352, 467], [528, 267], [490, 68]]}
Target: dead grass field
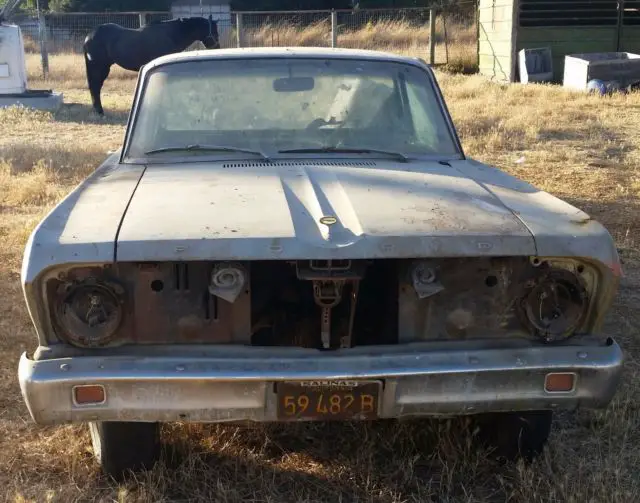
{"points": [[584, 149], [455, 38]]}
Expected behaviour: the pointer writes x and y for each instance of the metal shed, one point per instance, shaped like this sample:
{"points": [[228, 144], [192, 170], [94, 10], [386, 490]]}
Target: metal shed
{"points": [[565, 26]]}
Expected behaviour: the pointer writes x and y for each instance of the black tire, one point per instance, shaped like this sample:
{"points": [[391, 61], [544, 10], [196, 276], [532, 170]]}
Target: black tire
{"points": [[120, 447], [514, 435]]}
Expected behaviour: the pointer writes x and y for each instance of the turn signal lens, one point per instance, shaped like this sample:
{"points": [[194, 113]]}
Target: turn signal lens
{"points": [[89, 394], [559, 382]]}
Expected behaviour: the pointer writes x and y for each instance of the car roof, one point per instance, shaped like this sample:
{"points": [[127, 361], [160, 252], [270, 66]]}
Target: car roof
{"points": [[288, 52]]}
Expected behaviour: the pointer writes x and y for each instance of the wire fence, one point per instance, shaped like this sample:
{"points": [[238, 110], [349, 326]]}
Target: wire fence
{"points": [[407, 31]]}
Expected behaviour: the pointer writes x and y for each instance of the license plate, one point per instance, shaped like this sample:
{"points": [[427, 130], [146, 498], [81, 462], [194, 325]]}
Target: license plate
{"points": [[328, 400]]}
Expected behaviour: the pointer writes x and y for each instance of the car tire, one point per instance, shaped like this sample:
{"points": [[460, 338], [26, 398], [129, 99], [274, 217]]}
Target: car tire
{"points": [[515, 435], [120, 447]]}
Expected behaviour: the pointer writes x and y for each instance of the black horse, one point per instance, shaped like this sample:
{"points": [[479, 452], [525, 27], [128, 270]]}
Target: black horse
{"points": [[130, 48]]}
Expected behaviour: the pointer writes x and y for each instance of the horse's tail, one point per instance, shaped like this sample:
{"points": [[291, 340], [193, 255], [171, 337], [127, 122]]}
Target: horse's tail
{"points": [[87, 57], [95, 69]]}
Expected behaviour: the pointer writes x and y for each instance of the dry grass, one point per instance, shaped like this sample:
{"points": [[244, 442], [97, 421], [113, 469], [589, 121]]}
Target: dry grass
{"points": [[456, 50], [396, 36], [584, 149]]}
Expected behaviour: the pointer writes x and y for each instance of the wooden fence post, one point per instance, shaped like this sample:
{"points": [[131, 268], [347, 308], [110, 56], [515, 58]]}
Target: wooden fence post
{"points": [[334, 28], [446, 40], [239, 30], [432, 36], [44, 52]]}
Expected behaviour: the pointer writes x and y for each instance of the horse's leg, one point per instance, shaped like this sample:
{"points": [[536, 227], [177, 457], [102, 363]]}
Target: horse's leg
{"points": [[101, 75], [96, 75], [97, 72]]}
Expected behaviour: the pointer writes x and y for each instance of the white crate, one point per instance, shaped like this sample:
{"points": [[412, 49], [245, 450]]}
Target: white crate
{"points": [[535, 65], [579, 69]]}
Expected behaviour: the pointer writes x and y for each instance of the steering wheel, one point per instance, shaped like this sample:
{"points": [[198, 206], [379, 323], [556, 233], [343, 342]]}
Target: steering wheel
{"points": [[319, 122]]}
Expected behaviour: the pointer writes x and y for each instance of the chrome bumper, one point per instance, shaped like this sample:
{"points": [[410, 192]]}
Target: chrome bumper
{"points": [[229, 384]]}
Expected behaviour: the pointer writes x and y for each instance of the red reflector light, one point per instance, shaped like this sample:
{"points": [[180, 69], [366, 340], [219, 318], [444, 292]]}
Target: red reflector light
{"points": [[89, 394], [559, 382]]}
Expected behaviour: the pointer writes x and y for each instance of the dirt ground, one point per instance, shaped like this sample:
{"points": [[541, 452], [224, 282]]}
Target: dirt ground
{"points": [[584, 149]]}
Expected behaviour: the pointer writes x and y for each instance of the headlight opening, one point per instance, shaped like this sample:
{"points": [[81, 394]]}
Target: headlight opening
{"points": [[554, 305], [89, 313]]}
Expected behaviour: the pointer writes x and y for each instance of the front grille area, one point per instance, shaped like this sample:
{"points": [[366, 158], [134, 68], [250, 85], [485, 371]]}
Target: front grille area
{"points": [[289, 303], [328, 304]]}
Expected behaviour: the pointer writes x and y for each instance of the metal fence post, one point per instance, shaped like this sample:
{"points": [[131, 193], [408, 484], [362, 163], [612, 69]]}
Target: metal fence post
{"points": [[141, 19], [432, 36], [44, 53], [334, 28], [239, 30]]}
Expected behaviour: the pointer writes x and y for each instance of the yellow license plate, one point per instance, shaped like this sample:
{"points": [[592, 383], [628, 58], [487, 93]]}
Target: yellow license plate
{"points": [[328, 400]]}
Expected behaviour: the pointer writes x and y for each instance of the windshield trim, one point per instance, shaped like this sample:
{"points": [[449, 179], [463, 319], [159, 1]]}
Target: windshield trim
{"points": [[146, 72]]}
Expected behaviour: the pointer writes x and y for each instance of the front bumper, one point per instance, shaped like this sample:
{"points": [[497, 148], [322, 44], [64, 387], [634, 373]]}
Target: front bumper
{"points": [[237, 383]]}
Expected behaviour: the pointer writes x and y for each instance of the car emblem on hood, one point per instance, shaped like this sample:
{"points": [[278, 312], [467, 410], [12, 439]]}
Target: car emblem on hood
{"points": [[328, 220]]}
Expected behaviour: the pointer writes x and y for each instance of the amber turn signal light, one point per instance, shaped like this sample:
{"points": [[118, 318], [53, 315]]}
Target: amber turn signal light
{"points": [[89, 394], [559, 382]]}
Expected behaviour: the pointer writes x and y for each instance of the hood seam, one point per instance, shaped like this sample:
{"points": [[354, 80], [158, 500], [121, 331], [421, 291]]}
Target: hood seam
{"points": [[481, 184], [124, 214]]}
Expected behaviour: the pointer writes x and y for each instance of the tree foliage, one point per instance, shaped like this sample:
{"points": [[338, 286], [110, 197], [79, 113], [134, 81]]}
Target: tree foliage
{"points": [[100, 5], [116, 5]]}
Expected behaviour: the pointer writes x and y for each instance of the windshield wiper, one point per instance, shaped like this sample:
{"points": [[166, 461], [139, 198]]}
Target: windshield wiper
{"points": [[344, 150], [210, 148]]}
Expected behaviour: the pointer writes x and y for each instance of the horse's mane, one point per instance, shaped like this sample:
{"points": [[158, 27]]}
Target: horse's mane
{"points": [[181, 19]]}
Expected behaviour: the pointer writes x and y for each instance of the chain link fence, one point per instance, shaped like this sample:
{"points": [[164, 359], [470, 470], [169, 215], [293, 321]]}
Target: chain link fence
{"points": [[453, 31]]}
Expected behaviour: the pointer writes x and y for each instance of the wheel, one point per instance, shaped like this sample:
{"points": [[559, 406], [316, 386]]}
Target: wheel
{"points": [[123, 446], [513, 435]]}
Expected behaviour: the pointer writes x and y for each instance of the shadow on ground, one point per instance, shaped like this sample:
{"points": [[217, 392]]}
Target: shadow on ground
{"points": [[382, 461], [83, 113]]}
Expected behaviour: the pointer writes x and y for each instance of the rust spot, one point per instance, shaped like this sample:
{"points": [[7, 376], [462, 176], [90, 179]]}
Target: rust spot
{"points": [[459, 321], [189, 326], [582, 221]]}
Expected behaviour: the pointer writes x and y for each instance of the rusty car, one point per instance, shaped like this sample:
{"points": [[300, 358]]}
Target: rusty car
{"points": [[296, 234]]}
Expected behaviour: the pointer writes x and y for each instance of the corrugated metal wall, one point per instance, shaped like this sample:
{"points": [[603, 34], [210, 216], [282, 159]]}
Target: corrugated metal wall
{"points": [[566, 26]]}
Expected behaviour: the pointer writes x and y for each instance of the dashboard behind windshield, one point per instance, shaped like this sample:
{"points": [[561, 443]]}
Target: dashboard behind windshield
{"points": [[277, 104]]}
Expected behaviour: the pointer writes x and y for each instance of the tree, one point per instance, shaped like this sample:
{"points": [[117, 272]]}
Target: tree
{"points": [[117, 5], [99, 5]]}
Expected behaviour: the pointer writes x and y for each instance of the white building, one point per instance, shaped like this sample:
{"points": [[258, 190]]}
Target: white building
{"points": [[13, 72], [220, 10]]}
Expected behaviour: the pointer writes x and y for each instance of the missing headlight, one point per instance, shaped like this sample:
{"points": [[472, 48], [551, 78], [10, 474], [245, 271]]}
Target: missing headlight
{"points": [[554, 305], [89, 313]]}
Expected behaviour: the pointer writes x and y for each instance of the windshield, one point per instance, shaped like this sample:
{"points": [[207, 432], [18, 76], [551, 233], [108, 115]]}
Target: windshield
{"points": [[281, 104]]}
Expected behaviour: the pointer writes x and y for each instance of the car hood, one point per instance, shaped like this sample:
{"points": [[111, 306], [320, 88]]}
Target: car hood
{"points": [[373, 209]]}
